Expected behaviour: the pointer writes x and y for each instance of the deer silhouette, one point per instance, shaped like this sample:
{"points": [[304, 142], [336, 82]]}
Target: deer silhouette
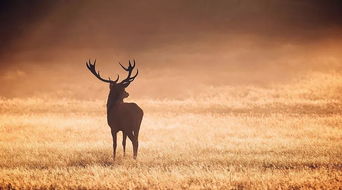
{"points": [[121, 116]]}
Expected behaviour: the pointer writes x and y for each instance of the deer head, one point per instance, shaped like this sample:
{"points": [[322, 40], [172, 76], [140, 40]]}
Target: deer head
{"points": [[117, 90]]}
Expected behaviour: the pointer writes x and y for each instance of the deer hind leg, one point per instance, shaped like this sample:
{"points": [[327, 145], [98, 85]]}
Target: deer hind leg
{"points": [[124, 137], [136, 136], [135, 144], [114, 143]]}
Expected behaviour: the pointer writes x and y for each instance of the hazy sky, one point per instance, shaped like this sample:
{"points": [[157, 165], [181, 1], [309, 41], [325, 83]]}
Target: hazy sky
{"points": [[44, 44]]}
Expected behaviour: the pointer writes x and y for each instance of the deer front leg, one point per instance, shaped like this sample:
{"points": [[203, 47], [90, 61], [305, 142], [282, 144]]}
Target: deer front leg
{"points": [[124, 136], [114, 143]]}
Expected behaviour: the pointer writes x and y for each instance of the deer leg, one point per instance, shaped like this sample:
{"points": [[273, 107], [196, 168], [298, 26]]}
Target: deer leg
{"points": [[124, 136], [114, 143], [135, 144], [136, 136]]}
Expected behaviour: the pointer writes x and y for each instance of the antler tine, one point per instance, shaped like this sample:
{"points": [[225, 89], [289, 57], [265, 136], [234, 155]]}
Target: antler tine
{"points": [[92, 69], [117, 78], [133, 63], [132, 78], [130, 68], [130, 65], [126, 69]]}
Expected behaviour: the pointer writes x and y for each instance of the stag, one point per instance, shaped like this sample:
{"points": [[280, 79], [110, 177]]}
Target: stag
{"points": [[121, 116]]}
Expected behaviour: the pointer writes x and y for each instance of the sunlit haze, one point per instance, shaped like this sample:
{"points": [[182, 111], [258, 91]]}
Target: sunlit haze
{"points": [[181, 47], [231, 94]]}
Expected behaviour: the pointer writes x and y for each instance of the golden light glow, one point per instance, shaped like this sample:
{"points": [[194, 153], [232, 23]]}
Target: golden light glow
{"points": [[236, 95]]}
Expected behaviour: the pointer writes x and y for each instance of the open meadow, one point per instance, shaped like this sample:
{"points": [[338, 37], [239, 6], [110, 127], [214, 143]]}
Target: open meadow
{"points": [[283, 136]]}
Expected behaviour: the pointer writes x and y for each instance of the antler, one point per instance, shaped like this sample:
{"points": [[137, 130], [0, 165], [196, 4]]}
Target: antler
{"points": [[91, 67], [129, 69]]}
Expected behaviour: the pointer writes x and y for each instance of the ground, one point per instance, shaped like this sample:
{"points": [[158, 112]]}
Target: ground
{"points": [[285, 136]]}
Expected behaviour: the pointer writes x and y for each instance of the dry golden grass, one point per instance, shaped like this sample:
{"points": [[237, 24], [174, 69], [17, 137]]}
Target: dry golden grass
{"points": [[281, 137]]}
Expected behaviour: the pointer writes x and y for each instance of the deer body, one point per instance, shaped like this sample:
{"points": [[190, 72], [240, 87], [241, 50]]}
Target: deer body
{"points": [[121, 116], [125, 117]]}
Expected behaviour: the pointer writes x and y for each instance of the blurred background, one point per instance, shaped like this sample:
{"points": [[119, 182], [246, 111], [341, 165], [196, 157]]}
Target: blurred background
{"points": [[182, 48]]}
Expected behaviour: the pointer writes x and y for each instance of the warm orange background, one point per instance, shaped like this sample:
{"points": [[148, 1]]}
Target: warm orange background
{"points": [[181, 47]]}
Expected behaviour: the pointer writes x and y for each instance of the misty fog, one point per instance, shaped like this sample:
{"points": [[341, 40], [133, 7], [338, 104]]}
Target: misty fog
{"points": [[181, 47]]}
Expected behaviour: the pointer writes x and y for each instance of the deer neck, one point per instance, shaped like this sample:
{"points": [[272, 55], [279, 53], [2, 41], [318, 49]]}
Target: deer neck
{"points": [[112, 102]]}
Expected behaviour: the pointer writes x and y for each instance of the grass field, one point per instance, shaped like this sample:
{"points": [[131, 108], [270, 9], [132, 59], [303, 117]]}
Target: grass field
{"points": [[285, 136]]}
